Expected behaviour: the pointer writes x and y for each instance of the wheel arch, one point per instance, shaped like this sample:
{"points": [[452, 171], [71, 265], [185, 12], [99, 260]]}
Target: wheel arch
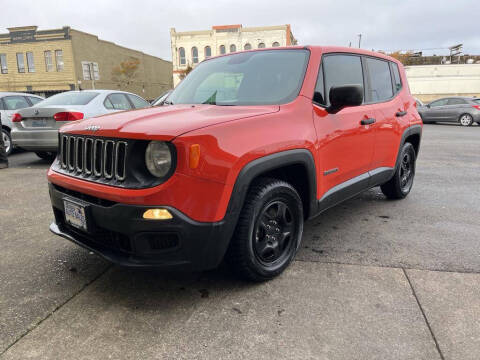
{"points": [[298, 162], [413, 135]]}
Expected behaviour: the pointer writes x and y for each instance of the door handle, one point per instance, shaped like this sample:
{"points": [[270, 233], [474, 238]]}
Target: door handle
{"points": [[401, 113], [367, 121]]}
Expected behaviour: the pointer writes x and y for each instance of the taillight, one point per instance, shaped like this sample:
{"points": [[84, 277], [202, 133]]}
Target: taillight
{"points": [[476, 107], [68, 116], [16, 117]]}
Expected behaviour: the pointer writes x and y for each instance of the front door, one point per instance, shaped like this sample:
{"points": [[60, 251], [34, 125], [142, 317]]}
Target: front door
{"points": [[345, 139]]}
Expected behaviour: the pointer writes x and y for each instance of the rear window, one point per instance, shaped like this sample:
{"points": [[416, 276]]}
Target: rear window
{"points": [[70, 98], [34, 100], [138, 102], [380, 80], [455, 101], [397, 82]]}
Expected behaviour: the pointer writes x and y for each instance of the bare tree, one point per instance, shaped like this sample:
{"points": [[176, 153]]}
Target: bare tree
{"points": [[126, 72]]}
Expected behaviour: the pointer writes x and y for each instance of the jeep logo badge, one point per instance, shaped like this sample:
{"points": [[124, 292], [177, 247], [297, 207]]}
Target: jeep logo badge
{"points": [[92, 128]]}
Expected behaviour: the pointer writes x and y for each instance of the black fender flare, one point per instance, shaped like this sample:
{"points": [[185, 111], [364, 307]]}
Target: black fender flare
{"points": [[411, 130], [268, 163]]}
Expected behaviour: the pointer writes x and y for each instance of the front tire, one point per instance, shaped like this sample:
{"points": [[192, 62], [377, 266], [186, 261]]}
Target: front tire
{"points": [[399, 186], [46, 155], [268, 232], [7, 141], [466, 120]]}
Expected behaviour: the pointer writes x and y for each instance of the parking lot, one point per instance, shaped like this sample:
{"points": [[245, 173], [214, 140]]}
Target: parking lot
{"points": [[374, 279]]}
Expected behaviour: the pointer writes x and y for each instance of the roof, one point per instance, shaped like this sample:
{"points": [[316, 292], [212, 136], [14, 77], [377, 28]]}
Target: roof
{"points": [[321, 49], [8, 93]]}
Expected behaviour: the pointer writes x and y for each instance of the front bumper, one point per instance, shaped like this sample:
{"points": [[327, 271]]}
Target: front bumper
{"points": [[119, 233], [35, 140]]}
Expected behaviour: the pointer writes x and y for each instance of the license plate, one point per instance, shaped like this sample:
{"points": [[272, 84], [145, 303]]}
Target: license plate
{"points": [[39, 123], [75, 215]]}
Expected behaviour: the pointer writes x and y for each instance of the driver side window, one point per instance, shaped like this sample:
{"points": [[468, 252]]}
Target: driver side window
{"points": [[339, 70]]}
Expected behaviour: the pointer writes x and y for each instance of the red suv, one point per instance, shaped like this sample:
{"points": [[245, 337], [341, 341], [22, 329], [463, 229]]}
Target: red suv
{"points": [[247, 148]]}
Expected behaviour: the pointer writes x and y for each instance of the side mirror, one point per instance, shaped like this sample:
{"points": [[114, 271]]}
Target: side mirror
{"points": [[428, 106], [344, 96]]}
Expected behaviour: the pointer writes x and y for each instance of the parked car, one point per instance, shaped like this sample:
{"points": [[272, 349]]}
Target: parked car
{"points": [[36, 128], [251, 145], [159, 101], [462, 110], [10, 102]]}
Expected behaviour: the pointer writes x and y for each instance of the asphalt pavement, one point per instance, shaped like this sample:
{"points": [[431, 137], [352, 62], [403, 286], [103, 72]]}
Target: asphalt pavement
{"points": [[374, 279]]}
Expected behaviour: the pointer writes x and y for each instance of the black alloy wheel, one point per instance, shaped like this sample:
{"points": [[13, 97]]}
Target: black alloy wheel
{"points": [[273, 234], [399, 186], [268, 232]]}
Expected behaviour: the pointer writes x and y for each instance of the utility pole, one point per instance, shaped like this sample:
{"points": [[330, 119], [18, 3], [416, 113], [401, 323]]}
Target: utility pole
{"points": [[359, 40]]}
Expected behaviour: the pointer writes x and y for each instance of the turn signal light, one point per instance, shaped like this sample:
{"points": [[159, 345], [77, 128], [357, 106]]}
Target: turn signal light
{"points": [[194, 156], [157, 214], [68, 116], [16, 117]]}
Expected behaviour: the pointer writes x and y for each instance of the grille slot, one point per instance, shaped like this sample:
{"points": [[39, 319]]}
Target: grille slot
{"points": [[108, 160], [98, 159], [79, 154], [71, 153]]}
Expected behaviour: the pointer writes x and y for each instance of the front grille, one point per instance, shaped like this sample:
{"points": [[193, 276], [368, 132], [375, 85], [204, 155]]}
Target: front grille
{"points": [[93, 158]]}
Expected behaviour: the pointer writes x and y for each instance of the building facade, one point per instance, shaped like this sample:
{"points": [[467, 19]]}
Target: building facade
{"points": [[430, 82], [191, 47], [46, 62]]}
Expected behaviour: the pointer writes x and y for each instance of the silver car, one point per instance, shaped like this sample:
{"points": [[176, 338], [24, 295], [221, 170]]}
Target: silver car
{"points": [[36, 128], [10, 103], [462, 110]]}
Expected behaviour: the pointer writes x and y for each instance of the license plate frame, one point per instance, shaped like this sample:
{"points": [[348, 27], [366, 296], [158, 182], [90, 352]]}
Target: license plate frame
{"points": [[39, 123], [76, 214]]}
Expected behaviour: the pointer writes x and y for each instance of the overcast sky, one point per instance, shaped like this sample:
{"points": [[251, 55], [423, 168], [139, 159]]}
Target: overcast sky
{"points": [[144, 24]]}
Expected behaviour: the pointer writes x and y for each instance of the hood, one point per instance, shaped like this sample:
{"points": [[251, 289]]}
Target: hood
{"points": [[166, 122]]}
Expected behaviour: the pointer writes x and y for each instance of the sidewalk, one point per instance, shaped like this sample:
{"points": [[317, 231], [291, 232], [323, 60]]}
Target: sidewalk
{"points": [[313, 311]]}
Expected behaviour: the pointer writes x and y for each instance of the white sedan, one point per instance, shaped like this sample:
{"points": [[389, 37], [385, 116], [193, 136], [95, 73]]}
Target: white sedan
{"points": [[36, 128]]}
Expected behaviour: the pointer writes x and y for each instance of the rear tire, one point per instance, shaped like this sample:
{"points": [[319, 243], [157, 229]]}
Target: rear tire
{"points": [[399, 186], [7, 141], [465, 120], [46, 155], [268, 232]]}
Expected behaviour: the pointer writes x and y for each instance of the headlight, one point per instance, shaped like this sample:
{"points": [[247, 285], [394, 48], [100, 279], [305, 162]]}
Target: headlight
{"points": [[158, 158]]}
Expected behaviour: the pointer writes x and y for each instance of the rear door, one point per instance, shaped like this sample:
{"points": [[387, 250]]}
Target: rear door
{"points": [[383, 92], [456, 107], [345, 146]]}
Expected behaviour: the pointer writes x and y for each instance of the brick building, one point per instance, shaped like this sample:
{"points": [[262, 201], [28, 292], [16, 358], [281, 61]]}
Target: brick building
{"points": [[50, 61]]}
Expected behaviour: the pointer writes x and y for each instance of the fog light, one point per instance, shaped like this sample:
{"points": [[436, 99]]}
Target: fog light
{"points": [[157, 214]]}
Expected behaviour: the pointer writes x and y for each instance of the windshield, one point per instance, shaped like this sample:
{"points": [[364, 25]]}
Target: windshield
{"points": [[69, 98], [250, 78]]}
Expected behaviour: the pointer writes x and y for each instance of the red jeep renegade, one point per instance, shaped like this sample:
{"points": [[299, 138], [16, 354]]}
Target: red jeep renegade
{"points": [[247, 148]]}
